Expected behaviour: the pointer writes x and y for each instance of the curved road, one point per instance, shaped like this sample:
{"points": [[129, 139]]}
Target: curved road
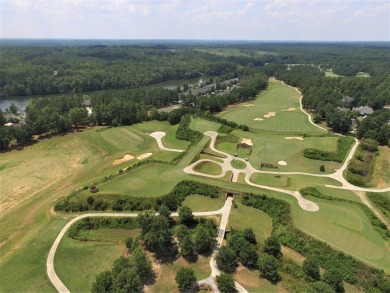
{"points": [[158, 135], [59, 285]]}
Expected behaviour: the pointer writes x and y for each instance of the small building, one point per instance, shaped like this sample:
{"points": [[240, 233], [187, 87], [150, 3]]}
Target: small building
{"points": [[347, 99], [363, 110]]}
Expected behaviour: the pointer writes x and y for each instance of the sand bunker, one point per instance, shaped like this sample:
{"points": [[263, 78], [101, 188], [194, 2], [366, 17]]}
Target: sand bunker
{"points": [[247, 141], [289, 109], [248, 105], [294, 137], [270, 114], [282, 163], [258, 119], [143, 156], [125, 158]]}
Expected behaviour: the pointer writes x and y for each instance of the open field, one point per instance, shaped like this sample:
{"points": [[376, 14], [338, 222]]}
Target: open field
{"points": [[330, 73], [345, 227], [276, 98], [202, 125], [235, 52]]}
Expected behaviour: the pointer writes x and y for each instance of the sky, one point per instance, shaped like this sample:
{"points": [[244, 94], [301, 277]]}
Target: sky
{"points": [[303, 20]]}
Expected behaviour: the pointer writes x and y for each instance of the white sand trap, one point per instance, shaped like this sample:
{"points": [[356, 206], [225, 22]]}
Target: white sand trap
{"points": [[247, 141], [289, 110], [125, 158], [248, 105], [143, 156], [258, 119], [294, 137], [270, 114], [282, 163]]}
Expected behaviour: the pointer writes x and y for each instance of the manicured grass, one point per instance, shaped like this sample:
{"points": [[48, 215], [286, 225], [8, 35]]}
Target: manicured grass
{"points": [[208, 168], [138, 181], [165, 281], [238, 164], [78, 262], [292, 182], [345, 227], [244, 217], [276, 98], [200, 203], [339, 193], [273, 148], [202, 125]]}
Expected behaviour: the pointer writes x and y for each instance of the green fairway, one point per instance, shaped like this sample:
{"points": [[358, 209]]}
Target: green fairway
{"points": [[202, 203], [202, 125], [271, 149], [137, 182], [244, 217], [279, 99], [208, 168], [292, 182], [345, 227]]}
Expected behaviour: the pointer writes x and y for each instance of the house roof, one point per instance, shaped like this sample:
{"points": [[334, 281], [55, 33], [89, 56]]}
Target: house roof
{"points": [[363, 110], [347, 99]]}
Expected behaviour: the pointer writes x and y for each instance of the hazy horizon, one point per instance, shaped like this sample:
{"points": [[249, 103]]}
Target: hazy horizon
{"points": [[230, 20]]}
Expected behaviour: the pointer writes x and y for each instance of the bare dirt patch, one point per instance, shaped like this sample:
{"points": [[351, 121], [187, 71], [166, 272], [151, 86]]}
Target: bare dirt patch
{"points": [[294, 137], [143, 156], [247, 141], [248, 105], [125, 158], [258, 119], [289, 110]]}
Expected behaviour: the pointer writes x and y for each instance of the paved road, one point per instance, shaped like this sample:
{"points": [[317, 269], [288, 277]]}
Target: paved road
{"points": [[158, 136]]}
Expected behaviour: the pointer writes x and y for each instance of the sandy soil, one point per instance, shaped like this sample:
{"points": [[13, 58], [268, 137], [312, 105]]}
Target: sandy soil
{"points": [[125, 158], [258, 119], [248, 105], [282, 163], [289, 110], [294, 137], [143, 156], [270, 114], [247, 141]]}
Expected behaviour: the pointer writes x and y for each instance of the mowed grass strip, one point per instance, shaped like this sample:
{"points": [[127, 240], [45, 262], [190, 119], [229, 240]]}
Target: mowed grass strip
{"points": [[278, 98], [345, 227], [292, 182]]}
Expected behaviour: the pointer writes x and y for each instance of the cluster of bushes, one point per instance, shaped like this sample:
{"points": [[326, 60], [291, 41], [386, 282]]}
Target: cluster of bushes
{"points": [[343, 146], [103, 222], [184, 132], [375, 222], [352, 270], [381, 201], [360, 167]]}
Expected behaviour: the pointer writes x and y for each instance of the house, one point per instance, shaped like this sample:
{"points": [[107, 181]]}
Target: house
{"points": [[363, 110], [347, 99], [9, 117]]}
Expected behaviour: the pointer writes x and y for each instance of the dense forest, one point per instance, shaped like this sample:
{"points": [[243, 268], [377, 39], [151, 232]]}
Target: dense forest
{"points": [[113, 81]]}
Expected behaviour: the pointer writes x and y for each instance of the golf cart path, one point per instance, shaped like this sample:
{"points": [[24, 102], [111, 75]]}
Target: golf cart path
{"points": [[158, 135], [59, 285]]}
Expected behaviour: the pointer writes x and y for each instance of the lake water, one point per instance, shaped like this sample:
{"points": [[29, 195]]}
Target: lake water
{"points": [[21, 102]]}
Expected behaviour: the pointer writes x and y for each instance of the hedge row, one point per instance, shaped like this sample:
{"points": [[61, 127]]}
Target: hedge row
{"points": [[343, 146]]}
